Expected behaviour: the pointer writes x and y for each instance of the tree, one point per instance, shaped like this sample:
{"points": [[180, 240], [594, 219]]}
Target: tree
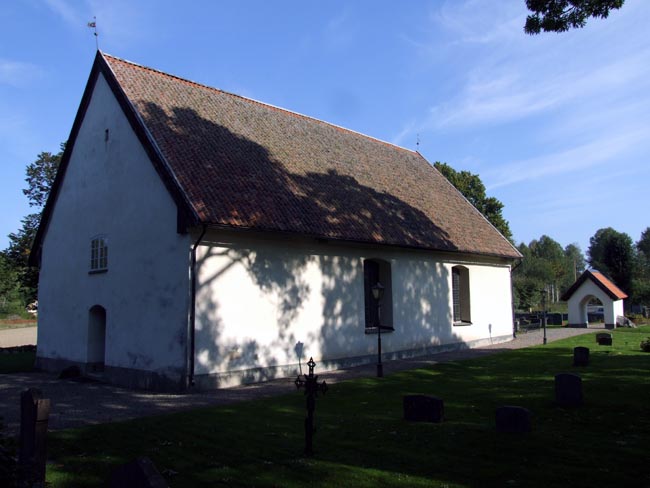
{"points": [[575, 259], [641, 282], [611, 253], [40, 176], [545, 266], [562, 15], [17, 256], [9, 287], [643, 245], [471, 186]]}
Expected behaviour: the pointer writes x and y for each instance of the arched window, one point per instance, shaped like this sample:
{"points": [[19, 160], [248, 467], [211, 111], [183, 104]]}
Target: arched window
{"points": [[377, 312], [460, 295]]}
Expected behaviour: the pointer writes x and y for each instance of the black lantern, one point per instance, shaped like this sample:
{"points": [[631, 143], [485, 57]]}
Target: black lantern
{"points": [[378, 294]]}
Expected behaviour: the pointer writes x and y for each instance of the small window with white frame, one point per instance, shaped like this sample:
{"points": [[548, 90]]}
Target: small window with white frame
{"points": [[461, 309], [99, 254]]}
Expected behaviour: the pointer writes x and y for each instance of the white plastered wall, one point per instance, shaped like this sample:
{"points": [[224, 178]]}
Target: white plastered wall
{"points": [[578, 304], [112, 188], [260, 302]]}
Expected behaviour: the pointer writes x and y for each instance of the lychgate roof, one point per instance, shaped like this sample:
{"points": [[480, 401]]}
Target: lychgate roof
{"points": [[604, 283], [242, 164]]}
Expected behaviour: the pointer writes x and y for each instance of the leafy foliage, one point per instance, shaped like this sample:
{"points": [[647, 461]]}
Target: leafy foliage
{"points": [[611, 253], [10, 297], [17, 255], [562, 15], [40, 176], [644, 243], [546, 269], [645, 345], [471, 186]]}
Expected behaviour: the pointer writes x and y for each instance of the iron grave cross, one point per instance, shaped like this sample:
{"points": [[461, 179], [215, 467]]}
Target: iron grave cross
{"points": [[312, 387]]}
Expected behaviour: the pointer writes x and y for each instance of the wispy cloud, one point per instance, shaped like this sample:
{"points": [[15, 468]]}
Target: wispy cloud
{"points": [[520, 89], [17, 73], [581, 158], [401, 136], [69, 12], [339, 31], [479, 22]]}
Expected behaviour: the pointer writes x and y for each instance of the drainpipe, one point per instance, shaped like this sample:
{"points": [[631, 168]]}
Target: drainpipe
{"points": [[512, 298], [193, 305]]}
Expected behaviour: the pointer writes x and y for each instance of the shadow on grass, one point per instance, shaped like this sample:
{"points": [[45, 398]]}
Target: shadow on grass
{"points": [[15, 360], [363, 441]]}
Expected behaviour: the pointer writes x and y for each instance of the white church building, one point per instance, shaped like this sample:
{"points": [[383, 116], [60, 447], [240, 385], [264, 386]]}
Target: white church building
{"points": [[194, 237]]}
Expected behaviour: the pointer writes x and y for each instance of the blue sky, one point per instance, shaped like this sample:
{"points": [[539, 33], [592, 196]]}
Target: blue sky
{"points": [[556, 125]]}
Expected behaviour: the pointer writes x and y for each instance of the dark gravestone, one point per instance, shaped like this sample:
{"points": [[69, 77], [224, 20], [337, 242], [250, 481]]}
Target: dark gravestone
{"points": [[513, 419], [139, 473], [423, 408], [568, 390], [554, 319], [604, 339], [580, 356], [34, 415]]}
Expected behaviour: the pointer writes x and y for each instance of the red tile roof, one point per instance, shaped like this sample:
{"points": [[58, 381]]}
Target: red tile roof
{"points": [[613, 291], [244, 164]]}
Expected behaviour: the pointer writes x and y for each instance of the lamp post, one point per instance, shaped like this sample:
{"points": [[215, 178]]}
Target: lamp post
{"points": [[378, 294]]}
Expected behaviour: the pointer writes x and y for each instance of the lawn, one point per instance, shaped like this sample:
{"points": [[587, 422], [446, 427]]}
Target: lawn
{"points": [[22, 360], [362, 440]]}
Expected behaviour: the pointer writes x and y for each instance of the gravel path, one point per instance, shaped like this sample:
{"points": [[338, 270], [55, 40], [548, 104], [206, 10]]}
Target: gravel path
{"points": [[17, 337], [76, 403]]}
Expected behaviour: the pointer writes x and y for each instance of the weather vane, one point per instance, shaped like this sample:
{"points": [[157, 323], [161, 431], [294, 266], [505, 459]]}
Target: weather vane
{"points": [[93, 25]]}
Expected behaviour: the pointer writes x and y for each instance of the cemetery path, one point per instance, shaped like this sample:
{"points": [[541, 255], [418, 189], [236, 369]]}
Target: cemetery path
{"points": [[17, 337], [79, 403]]}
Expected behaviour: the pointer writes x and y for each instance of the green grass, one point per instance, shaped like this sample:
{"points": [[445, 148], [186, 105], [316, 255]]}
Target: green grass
{"points": [[362, 440], [17, 363]]}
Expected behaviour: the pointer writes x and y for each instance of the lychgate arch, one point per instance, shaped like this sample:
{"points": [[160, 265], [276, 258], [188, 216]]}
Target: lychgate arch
{"points": [[594, 284]]}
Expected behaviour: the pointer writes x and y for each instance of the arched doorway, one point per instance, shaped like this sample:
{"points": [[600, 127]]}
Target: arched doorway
{"points": [[96, 338], [592, 310]]}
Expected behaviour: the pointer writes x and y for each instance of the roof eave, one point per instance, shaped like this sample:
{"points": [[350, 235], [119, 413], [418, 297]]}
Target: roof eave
{"points": [[324, 238]]}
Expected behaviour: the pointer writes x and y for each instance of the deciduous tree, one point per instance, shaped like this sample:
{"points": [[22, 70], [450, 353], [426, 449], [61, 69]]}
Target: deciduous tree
{"points": [[471, 186], [562, 15], [611, 252], [39, 177]]}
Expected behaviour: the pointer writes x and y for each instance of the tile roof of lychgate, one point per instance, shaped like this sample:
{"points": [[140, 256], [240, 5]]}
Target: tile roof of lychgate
{"points": [[600, 280], [243, 164]]}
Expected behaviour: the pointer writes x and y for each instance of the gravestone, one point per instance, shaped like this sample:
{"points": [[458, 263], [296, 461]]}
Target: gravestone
{"points": [[580, 356], [554, 319], [568, 390], [34, 415], [513, 419], [604, 339], [139, 473], [423, 408]]}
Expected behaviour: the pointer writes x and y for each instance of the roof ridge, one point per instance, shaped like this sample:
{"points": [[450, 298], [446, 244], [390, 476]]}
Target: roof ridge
{"points": [[252, 100]]}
